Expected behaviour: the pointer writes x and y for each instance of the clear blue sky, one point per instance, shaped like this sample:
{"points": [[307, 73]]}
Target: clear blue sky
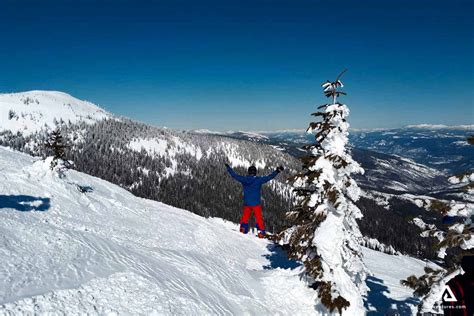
{"points": [[246, 65]]}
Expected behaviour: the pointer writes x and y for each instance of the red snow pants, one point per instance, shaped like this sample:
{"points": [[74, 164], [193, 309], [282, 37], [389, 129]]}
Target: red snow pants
{"points": [[258, 216]]}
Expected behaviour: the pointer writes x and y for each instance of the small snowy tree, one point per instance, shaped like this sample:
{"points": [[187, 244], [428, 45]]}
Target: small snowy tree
{"points": [[11, 114], [456, 239], [56, 144], [324, 234]]}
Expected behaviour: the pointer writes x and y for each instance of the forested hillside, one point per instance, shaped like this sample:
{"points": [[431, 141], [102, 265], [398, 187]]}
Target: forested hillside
{"points": [[178, 168]]}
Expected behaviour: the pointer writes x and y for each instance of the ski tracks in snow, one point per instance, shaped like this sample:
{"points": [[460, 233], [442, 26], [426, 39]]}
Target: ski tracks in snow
{"points": [[109, 252]]}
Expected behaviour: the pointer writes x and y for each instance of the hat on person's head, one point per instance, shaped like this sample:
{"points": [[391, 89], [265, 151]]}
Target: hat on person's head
{"points": [[252, 171]]}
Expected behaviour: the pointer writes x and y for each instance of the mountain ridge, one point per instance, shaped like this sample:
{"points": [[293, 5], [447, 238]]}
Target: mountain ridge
{"points": [[29, 112]]}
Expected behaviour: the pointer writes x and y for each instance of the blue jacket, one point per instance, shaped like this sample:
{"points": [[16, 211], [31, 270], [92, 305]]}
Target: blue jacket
{"points": [[252, 186]]}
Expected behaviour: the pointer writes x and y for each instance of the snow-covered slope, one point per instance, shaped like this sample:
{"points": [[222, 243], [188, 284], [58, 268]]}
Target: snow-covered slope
{"points": [[28, 112], [108, 251], [386, 295]]}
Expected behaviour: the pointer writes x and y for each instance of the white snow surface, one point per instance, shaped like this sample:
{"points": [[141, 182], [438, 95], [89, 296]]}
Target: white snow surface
{"points": [[28, 112], [386, 296], [109, 252]]}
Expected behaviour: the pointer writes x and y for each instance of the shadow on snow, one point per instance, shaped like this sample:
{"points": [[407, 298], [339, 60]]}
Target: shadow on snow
{"points": [[376, 298], [279, 259], [24, 203], [384, 305]]}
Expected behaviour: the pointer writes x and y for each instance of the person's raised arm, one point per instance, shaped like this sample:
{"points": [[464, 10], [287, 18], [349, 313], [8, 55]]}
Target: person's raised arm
{"points": [[271, 175], [233, 174]]}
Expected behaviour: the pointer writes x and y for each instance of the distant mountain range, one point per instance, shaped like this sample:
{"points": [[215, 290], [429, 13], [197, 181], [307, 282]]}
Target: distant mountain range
{"points": [[442, 147]]}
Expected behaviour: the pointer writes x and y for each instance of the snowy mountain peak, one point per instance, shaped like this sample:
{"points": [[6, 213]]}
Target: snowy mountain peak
{"points": [[440, 126], [29, 112]]}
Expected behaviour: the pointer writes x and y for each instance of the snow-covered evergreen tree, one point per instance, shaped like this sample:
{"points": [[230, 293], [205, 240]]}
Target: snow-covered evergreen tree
{"points": [[56, 144], [325, 235], [456, 239]]}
